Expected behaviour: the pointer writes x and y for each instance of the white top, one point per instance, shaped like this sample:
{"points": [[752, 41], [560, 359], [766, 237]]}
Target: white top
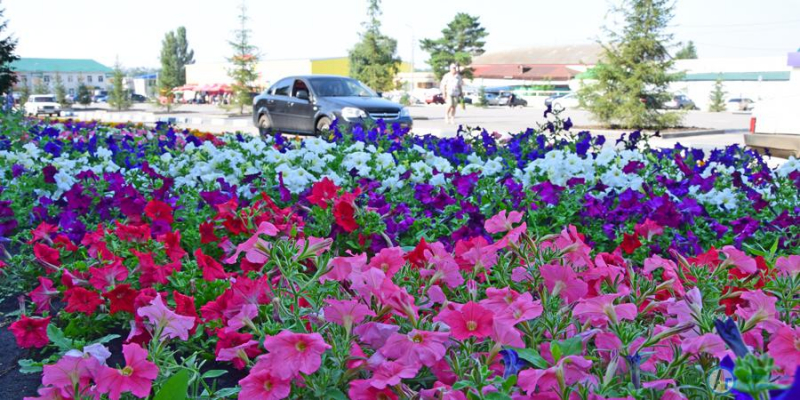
{"points": [[451, 84]]}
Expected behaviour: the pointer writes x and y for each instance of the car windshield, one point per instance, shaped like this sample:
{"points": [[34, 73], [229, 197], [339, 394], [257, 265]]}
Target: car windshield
{"points": [[44, 100], [339, 87]]}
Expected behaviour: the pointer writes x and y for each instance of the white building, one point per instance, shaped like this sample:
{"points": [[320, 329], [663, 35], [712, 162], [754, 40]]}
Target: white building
{"points": [[34, 71]]}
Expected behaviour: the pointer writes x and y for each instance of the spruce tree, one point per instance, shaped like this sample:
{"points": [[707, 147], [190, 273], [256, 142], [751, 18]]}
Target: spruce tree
{"points": [[373, 60], [119, 97], [717, 97], [245, 63], [183, 54], [40, 87], [462, 39], [61, 92], [633, 76], [688, 52], [84, 96], [168, 76], [7, 46]]}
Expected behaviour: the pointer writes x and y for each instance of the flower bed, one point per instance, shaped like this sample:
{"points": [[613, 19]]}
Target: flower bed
{"points": [[376, 264]]}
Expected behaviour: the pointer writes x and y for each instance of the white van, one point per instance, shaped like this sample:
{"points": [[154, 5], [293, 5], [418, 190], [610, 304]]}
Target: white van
{"points": [[42, 104], [775, 125]]}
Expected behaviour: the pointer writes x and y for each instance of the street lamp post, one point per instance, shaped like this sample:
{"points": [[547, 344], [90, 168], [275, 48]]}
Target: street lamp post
{"points": [[413, 67]]}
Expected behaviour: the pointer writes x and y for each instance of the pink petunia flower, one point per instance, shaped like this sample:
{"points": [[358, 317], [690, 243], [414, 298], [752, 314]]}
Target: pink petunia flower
{"points": [[562, 281], [648, 229], [297, 352], [445, 267], [342, 267], [388, 260], [375, 334], [244, 318], [497, 300], [136, 377], [739, 260], [569, 370], [522, 309], [252, 246], [43, 294], [391, 373], [601, 309], [760, 311], [416, 347], [162, 319], [362, 389], [501, 222], [784, 347], [346, 313], [68, 373], [469, 320], [789, 265], [709, 343], [262, 384]]}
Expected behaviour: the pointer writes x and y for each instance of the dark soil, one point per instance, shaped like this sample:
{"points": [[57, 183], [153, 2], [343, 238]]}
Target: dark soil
{"points": [[13, 384]]}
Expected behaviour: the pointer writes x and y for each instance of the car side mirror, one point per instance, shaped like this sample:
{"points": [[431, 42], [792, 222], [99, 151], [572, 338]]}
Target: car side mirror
{"points": [[302, 94], [380, 94]]}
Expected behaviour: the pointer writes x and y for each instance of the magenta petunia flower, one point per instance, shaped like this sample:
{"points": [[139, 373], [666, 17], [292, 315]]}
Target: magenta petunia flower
{"points": [[70, 372], [43, 294], [30, 332], [788, 266], [601, 309], [391, 373], [297, 352], [346, 312], [469, 320], [262, 384], [760, 311], [784, 347], [739, 260], [521, 309], [375, 334], [388, 260], [562, 281], [136, 377], [416, 347], [168, 322], [709, 343], [342, 267]]}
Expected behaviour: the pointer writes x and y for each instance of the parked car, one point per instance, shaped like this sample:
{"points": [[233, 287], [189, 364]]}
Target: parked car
{"points": [[434, 99], [549, 101], [100, 97], [310, 104], [137, 98], [568, 101], [680, 102], [775, 126], [492, 98], [512, 100], [740, 104], [38, 104]]}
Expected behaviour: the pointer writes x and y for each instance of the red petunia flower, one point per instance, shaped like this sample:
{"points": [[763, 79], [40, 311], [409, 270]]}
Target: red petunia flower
{"points": [[184, 305], [30, 332], [122, 298], [82, 300], [212, 270], [207, 233], [322, 192], [158, 211], [344, 210], [630, 243], [417, 257], [47, 254]]}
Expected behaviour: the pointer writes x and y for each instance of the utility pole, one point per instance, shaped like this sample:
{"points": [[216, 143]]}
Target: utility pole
{"points": [[413, 67]]}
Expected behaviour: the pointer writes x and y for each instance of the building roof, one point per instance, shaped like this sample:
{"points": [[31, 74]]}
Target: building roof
{"points": [[531, 72], [561, 55], [58, 65]]}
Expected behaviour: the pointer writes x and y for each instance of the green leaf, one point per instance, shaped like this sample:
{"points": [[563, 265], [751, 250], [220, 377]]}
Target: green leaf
{"points": [[107, 338], [555, 350], [227, 392], [497, 396], [509, 383], [462, 384], [56, 335], [29, 366], [334, 393], [214, 373], [571, 346], [175, 388], [532, 356]]}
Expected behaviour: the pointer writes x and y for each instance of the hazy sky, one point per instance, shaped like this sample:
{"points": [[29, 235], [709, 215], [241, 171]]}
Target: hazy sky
{"points": [[133, 29]]}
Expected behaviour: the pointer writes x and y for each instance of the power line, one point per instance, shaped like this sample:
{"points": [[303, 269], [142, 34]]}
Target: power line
{"points": [[745, 48], [745, 24]]}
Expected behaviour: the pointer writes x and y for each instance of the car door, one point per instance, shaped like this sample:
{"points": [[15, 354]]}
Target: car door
{"points": [[278, 102], [300, 112]]}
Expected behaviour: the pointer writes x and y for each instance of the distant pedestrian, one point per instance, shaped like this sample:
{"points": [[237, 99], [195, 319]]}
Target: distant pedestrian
{"points": [[451, 87], [511, 98]]}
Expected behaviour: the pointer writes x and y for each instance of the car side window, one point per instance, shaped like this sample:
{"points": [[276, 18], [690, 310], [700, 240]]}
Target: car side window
{"points": [[282, 88], [298, 86]]}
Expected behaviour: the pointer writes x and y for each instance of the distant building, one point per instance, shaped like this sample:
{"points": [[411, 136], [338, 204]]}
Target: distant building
{"points": [[31, 71], [145, 85], [270, 71]]}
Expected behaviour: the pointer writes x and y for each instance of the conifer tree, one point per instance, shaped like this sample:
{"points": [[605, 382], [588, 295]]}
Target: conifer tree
{"points": [[717, 97], [245, 63], [119, 97], [7, 46], [61, 92], [373, 60]]}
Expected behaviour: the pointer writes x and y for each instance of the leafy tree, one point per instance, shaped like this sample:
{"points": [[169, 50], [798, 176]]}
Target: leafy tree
{"points": [[40, 87], [183, 54], [632, 79], [462, 39], [61, 92], [481, 102], [717, 97], [687, 52], [168, 77], [24, 93], [7, 46], [119, 97], [84, 96], [245, 62], [373, 60]]}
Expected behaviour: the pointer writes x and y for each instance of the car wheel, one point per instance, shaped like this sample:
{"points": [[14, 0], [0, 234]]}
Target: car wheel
{"points": [[324, 124], [264, 127]]}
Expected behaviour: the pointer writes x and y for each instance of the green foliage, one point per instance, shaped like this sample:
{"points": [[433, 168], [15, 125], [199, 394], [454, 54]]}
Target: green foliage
{"points": [[24, 93], [373, 60], [7, 56], [175, 388], [632, 79], [168, 77], [119, 97], [462, 39], [687, 52], [183, 54], [245, 61], [40, 87], [84, 96], [717, 97], [61, 92], [481, 101]]}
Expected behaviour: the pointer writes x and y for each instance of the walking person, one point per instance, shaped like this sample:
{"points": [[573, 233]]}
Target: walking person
{"points": [[451, 87]]}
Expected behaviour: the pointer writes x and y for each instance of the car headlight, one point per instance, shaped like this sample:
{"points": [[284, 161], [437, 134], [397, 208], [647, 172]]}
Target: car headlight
{"points": [[404, 113], [353, 113]]}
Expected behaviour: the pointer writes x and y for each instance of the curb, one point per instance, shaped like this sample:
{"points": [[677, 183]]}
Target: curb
{"points": [[701, 133]]}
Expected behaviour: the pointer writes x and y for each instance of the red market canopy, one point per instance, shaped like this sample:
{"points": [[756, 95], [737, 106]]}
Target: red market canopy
{"points": [[185, 88]]}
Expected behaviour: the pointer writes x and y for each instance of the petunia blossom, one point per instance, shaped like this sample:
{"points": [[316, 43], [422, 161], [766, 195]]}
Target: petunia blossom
{"points": [[297, 352], [601, 309], [30, 332], [346, 312], [170, 324], [469, 320], [136, 377], [416, 347], [784, 348], [502, 222], [562, 281]]}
